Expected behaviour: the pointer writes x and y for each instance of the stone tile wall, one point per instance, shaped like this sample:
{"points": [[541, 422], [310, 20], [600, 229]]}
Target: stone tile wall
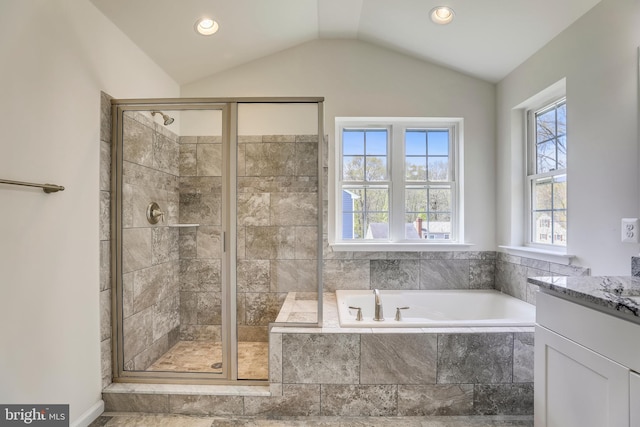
{"points": [[200, 248], [512, 273], [635, 266], [105, 236], [150, 252], [373, 374], [439, 270], [408, 270], [277, 226], [404, 374]]}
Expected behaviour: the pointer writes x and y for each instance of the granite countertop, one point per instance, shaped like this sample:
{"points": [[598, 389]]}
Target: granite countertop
{"points": [[617, 295]]}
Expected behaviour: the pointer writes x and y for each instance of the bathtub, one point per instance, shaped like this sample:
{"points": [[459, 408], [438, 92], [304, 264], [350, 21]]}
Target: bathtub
{"points": [[446, 308]]}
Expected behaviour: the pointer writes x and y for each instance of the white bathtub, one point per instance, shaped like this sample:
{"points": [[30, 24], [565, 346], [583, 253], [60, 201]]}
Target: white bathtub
{"points": [[447, 308]]}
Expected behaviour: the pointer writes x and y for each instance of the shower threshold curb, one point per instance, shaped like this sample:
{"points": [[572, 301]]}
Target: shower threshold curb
{"points": [[189, 389]]}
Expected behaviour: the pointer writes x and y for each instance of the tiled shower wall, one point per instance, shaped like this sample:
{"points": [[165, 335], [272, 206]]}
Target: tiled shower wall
{"points": [[105, 236], [200, 275], [150, 255], [277, 230], [277, 226]]}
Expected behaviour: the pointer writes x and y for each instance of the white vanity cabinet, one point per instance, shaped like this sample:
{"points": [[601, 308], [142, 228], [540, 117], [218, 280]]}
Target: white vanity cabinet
{"points": [[584, 363]]}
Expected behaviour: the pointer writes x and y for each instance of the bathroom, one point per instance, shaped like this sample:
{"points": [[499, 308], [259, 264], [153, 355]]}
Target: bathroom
{"points": [[174, 328], [49, 253]]}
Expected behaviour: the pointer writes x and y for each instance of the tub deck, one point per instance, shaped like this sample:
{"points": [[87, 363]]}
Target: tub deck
{"points": [[435, 308], [299, 308]]}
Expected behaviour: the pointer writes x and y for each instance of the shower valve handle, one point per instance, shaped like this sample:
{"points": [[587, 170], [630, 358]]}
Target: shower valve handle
{"points": [[158, 213], [154, 214]]}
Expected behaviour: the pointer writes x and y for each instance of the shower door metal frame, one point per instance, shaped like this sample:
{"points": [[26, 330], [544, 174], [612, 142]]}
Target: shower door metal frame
{"points": [[229, 108]]}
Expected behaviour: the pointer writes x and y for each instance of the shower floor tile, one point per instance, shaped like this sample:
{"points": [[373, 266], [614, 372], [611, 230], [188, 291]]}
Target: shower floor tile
{"points": [[206, 356]]}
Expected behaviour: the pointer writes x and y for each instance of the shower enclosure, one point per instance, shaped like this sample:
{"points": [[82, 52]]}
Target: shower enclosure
{"points": [[216, 219]]}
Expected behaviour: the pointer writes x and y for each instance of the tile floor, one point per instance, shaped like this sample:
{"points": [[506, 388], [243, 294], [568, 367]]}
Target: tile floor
{"points": [[204, 356], [148, 420]]}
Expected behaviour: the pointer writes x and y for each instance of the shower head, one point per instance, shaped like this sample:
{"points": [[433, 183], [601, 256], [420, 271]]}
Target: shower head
{"points": [[167, 119]]}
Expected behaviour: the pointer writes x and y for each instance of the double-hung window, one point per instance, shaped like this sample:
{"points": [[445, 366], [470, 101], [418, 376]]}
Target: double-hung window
{"points": [[397, 181], [547, 175]]}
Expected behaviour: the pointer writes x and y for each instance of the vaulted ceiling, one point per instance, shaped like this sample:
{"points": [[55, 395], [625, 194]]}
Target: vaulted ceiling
{"points": [[487, 39]]}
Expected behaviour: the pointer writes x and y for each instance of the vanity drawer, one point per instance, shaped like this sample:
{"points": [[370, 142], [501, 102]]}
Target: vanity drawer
{"points": [[605, 334]]}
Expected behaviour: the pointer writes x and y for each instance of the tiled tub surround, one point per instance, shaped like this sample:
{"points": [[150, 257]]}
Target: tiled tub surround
{"points": [[330, 371], [635, 266], [405, 374], [439, 271], [408, 270], [513, 271]]}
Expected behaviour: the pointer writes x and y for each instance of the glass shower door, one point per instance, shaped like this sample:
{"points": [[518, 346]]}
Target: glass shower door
{"points": [[216, 229], [174, 265]]}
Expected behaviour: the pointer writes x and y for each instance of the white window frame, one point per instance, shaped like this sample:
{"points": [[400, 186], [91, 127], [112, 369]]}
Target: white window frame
{"points": [[396, 167], [531, 175]]}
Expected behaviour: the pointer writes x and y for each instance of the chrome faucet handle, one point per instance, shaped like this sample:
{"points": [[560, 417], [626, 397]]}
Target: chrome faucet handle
{"points": [[398, 314], [359, 313]]}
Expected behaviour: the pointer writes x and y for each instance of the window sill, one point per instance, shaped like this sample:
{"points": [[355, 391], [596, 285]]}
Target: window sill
{"points": [[558, 257], [398, 247]]}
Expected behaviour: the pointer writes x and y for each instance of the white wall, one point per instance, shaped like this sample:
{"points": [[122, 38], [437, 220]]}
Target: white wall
{"points": [[358, 79], [253, 119], [277, 119], [599, 58], [57, 55]]}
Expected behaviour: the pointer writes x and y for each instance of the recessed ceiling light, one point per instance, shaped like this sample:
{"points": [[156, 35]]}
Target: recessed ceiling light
{"points": [[206, 26], [441, 15]]}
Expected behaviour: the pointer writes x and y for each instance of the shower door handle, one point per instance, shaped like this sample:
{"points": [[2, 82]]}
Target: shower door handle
{"points": [[224, 241]]}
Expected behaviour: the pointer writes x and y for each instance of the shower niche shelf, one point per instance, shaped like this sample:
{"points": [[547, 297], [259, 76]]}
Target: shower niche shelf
{"points": [[183, 225]]}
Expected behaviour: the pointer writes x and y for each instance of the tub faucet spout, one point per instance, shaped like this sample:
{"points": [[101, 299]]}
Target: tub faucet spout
{"points": [[378, 316]]}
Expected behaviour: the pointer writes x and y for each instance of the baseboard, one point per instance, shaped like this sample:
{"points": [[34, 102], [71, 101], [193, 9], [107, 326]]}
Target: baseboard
{"points": [[89, 415]]}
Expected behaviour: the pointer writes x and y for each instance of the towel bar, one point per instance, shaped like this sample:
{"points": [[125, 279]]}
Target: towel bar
{"points": [[47, 188]]}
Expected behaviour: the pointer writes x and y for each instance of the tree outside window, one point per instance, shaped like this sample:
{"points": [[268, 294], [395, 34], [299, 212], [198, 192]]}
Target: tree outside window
{"points": [[422, 179], [548, 177]]}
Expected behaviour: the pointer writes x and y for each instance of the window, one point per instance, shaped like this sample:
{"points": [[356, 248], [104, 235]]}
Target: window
{"points": [[396, 181], [547, 175]]}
